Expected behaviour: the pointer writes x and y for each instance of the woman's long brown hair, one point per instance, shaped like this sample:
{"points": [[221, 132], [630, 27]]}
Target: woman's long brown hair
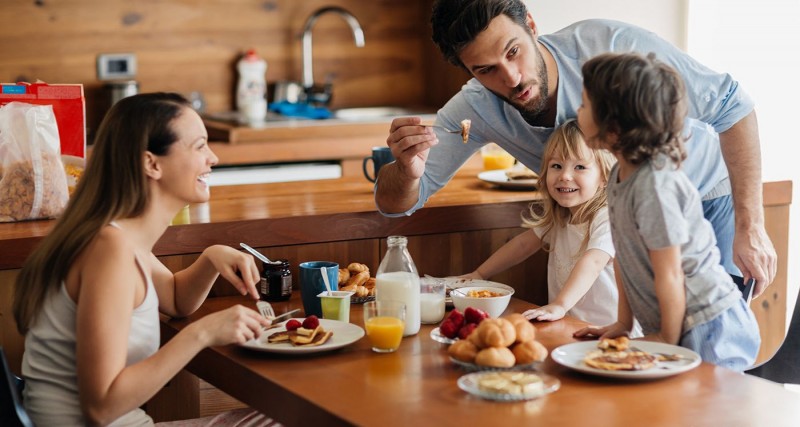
{"points": [[113, 186]]}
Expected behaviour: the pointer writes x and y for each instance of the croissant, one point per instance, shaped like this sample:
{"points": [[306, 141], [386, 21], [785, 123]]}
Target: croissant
{"points": [[356, 267], [344, 275], [358, 279], [361, 291]]}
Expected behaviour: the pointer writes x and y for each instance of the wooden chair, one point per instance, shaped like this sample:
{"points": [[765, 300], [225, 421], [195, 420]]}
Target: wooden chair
{"points": [[784, 366], [12, 413]]}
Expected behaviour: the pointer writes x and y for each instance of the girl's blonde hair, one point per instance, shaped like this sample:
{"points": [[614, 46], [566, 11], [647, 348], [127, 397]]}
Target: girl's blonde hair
{"points": [[567, 142]]}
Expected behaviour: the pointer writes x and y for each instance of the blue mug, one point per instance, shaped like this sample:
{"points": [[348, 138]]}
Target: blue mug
{"points": [[311, 284], [380, 156]]}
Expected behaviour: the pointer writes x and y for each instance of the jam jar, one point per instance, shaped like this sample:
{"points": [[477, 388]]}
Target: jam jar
{"points": [[276, 281]]}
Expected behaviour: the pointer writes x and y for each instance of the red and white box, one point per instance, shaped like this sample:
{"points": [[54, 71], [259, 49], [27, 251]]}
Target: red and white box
{"points": [[69, 106]]}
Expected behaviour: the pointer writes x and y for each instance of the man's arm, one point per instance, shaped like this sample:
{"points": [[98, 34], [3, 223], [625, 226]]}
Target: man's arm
{"points": [[753, 252], [395, 192], [397, 186]]}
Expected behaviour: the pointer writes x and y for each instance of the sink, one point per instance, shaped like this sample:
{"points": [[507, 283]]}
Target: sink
{"points": [[376, 113]]}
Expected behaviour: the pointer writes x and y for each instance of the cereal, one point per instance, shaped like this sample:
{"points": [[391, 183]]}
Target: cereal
{"points": [[29, 192], [483, 293]]}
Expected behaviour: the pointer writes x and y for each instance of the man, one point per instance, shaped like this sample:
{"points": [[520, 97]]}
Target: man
{"points": [[525, 85]]}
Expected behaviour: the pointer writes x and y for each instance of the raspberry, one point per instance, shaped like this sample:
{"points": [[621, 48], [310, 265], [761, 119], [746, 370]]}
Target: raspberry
{"points": [[448, 329], [293, 324], [456, 318], [474, 315], [311, 322], [467, 329]]}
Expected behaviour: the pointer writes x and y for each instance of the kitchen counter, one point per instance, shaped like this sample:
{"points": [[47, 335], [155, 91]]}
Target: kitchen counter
{"points": [[307, 211]]}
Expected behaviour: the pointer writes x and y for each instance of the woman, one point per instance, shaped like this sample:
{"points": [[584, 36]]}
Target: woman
{"points": [[87, 300]]}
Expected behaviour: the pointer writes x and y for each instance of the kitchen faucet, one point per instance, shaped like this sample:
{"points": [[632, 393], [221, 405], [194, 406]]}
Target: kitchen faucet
{"points": [[315, 94]]}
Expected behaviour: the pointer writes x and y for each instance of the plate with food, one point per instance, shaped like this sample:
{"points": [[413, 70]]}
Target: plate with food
{"points": [[326, 336], [510, 179], [621, 358], [511, 386]]}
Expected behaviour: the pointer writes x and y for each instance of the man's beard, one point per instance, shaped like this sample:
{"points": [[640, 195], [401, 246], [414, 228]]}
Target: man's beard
{"points": [[536, 108]]}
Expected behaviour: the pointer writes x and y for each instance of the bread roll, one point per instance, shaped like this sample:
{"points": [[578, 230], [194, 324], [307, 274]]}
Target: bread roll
{"points": [[498, 357], [525, 330], [496, 333], [529, 352], [463, 350]]}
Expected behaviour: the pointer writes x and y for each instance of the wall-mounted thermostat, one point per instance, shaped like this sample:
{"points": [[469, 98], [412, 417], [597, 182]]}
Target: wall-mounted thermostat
{"points": [[115, 66]]}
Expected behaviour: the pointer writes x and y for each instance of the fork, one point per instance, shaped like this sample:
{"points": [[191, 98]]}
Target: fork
{"points": [[443, 128], [265, 309]]}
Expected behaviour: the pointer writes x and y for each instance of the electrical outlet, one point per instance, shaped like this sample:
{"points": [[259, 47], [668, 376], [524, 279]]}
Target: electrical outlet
{"points": [[115, 66]]}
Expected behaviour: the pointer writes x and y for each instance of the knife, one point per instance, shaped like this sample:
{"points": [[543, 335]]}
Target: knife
{"points": [[284, 316]]}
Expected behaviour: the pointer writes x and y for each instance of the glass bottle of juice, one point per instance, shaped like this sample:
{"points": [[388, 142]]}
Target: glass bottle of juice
{"points": [[397, 279]]}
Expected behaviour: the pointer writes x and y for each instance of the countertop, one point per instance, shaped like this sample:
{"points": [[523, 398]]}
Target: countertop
{"points": [[307, 211]]}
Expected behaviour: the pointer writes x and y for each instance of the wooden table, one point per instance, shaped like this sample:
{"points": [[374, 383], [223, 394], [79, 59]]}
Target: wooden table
{"points": [[417, 385]]}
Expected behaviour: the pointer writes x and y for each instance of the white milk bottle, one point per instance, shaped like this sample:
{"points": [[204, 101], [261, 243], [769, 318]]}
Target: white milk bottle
{"points": [[397, 279]]}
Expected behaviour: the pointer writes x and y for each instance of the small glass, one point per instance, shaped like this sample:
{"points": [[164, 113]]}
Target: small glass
{"points": [[384, 322], [336, 306], [495, 157], [431, 299]]}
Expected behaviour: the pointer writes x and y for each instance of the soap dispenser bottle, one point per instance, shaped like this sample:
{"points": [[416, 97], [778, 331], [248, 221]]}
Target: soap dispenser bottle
{"points": [[251, 91]]}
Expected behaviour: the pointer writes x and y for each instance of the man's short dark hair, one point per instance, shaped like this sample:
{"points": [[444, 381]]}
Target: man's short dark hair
{"points": [[456, 23]]}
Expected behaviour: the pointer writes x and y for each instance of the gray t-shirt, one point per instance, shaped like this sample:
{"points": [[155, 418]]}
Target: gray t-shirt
{"points": [[716, 102], [654, 209]]}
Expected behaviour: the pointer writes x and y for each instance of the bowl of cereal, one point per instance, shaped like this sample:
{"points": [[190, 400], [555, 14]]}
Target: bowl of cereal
{"points": [[73, 167], [493, 298]]}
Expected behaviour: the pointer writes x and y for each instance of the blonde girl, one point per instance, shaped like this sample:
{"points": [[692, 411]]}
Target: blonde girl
{"points": [[571, 223]]}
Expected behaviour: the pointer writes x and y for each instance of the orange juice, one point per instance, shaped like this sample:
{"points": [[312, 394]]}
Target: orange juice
{"points": [[497, 160], [385, 333]]}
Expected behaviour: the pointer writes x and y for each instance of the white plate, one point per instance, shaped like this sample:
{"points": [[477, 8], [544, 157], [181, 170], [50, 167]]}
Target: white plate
{"points": [[469, 383], [473, 367], [499, 178], [436, 334], [572, 355], [344, 334]]}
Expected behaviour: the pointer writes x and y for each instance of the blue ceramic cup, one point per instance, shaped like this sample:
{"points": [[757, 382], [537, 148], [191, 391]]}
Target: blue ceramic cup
{"points": [[380, 156], [311, 284]]}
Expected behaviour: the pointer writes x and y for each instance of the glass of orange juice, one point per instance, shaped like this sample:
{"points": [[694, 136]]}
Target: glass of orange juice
{"points": [[384, 321], [495, 157]]}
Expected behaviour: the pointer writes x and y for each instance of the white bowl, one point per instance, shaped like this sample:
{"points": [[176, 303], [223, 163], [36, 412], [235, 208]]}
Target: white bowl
{"points": [[494, 306]]}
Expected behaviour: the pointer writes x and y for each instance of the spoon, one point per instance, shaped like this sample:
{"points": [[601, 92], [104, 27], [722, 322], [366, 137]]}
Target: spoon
{"points": [[258, 254], [324, 271]]}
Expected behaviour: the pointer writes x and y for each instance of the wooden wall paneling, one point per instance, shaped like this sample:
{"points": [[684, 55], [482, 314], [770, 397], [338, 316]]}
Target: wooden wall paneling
{"points": [[443, 80], [193, 46]]}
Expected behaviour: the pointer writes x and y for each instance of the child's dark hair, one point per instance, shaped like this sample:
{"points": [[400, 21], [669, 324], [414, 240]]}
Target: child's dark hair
{"points": [[641, 100]]}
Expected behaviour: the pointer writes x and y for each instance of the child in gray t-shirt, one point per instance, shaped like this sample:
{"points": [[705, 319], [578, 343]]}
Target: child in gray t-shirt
{"points": [[667, 264]]}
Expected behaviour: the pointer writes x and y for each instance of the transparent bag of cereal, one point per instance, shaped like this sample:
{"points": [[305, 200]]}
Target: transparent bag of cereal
{"points": [[33, 183]]}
